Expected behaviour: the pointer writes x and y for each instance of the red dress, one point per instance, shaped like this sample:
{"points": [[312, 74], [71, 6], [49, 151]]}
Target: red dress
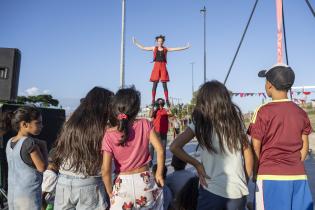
{"points": [[159, 72]]}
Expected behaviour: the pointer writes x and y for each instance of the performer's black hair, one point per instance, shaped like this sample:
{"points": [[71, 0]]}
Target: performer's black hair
{"points": [[160, 37]]}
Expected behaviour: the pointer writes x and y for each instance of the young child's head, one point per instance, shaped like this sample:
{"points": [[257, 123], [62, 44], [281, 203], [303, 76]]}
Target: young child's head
{"points": [[27, 120], [160, 102], [125, 107], [83, 133], [188, 196], [154, 169], [178, 164], [215, 113], [279, 79], [5, 122], [160, 40]]}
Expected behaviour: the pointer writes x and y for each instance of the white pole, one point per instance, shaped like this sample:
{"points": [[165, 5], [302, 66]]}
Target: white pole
{"points": [[204, 12], [122, 46]]}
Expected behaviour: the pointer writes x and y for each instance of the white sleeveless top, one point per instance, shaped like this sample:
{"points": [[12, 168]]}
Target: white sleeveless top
{"points": [[226, 171]]}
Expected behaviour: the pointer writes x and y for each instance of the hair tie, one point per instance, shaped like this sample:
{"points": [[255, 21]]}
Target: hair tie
{"points": [[122, 116]]}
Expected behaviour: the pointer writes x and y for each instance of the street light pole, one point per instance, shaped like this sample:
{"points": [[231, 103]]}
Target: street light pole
{"points": [[122, 46], [204, 12], [192, 78]]}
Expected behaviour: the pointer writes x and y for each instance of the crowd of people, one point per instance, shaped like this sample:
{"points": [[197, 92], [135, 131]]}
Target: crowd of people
{"points": [[104, 156]]}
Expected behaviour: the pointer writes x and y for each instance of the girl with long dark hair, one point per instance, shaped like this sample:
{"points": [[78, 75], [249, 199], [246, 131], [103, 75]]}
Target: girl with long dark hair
{"points": [[78, 155], [226, 155], [127, 143], [159, 72]]}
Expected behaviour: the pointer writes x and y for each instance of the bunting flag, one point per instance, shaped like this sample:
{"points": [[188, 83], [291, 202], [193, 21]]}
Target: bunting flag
{"points": [[242, 95], [302, 92], [260, 94]]}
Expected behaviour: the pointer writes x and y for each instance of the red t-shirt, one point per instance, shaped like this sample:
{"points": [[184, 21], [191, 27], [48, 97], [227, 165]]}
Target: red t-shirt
{"points": [[160, 122], [279, 125]]}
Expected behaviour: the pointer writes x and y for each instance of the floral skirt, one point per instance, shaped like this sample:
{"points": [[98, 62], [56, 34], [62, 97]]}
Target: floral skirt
{"points": [[136, 191]]}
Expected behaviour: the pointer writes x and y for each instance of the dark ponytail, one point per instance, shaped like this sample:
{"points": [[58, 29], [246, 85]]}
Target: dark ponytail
{"points": [[123, 126], [125, 106]]}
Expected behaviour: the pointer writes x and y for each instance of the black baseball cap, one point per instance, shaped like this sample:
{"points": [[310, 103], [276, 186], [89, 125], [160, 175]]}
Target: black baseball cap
{"points": [[281, 76]]}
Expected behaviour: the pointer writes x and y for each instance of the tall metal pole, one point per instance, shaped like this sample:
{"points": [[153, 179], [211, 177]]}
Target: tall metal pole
{"points": [[204, 12], [192, 79], [122, 46]]}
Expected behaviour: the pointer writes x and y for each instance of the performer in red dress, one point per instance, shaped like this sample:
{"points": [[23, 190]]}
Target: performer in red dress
{"points": [[159, 72]]}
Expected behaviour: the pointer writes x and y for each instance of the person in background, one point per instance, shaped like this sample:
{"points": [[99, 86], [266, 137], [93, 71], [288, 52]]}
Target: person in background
{"points": [[176, 126], [279, 131], [179, 177], [127, 143], [167, 193], [160, 117], [50, 177], [26, 160], [77, 154], [226, 155], [187, 198]]}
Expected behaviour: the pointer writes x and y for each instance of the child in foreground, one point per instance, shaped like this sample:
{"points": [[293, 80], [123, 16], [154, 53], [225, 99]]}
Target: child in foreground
{"points": [[127, 143], [279, 132], [26, 160], [78, 156], [226, 156]]}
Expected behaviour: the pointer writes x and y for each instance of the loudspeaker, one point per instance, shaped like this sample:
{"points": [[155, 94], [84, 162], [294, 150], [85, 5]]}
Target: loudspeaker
{"points": [[10, 60]]}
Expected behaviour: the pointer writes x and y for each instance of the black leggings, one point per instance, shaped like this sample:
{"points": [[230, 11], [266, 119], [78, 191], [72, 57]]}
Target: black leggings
{"points": [[155, 84]]}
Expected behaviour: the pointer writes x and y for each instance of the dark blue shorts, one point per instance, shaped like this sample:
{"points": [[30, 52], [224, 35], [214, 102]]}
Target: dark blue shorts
{"points": [[210, 201]]}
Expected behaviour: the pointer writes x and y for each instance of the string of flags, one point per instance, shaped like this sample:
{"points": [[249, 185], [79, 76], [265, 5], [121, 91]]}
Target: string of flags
{"points": [[242, 95], [303, 92], [261, 94]]}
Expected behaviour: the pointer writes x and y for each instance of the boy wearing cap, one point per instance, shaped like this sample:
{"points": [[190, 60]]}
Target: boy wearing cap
{"points": [[279, 131]]}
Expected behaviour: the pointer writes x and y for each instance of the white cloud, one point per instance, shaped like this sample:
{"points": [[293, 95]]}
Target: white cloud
{"points": [[46, 91], [34, 91]]}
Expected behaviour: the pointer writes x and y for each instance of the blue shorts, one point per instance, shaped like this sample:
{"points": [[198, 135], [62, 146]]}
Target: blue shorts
{"points": [[272, 193], [211, 201]]}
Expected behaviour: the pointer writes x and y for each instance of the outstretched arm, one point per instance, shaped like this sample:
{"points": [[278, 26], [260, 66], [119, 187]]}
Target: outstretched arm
{"points": [[171, 49], [135, 42]]}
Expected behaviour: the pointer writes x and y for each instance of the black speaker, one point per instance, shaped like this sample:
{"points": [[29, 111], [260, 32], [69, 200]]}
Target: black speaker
{"points": [[10, 60]]}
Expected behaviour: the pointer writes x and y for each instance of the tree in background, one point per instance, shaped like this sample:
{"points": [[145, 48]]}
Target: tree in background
{"points": [[41, 100]]}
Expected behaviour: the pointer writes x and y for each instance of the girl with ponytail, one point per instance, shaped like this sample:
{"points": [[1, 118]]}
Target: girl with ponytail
{"points": [[127, 143]]}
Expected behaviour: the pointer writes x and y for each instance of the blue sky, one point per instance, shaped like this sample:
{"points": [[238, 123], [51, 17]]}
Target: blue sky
{"points": [[70, 46]]}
